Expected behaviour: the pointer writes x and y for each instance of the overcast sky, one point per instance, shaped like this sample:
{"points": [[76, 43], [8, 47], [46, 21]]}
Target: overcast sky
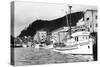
{"points": [[27, 12]]}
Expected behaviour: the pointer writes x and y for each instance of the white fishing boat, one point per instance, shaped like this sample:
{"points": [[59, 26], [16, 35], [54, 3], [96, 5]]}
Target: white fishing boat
{"points": [[81, 38]]}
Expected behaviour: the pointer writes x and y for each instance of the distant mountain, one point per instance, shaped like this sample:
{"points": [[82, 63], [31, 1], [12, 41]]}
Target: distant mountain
{"points": [[51, 25]]}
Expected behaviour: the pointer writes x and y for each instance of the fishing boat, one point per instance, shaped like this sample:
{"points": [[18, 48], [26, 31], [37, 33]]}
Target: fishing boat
{"points": [[78, 41], [80, 38]]}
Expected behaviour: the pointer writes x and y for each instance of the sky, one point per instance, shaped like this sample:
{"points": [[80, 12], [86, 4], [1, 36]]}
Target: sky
{"points": [[27, 12]]}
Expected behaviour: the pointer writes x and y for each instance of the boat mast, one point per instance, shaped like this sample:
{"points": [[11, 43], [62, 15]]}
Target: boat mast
{"points": [[70, 19]]}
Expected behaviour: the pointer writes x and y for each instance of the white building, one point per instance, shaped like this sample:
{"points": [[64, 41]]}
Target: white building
{"points": [[59, 34], [90, 18], [40, 36]]}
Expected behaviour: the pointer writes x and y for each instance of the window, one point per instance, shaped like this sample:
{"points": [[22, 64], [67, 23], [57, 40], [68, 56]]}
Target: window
{"points": [[86, 37], [83, 37], [96, 17], [90, 25], [88, 47], [87, 19], [76, 38], [96, 25], [88, 29], [83, 29]]}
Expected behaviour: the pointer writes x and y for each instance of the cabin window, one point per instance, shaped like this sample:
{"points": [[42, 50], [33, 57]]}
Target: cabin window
{"points": [[88, 29], [88, 47], [86, 37], [83, 37], [76, 38]]}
